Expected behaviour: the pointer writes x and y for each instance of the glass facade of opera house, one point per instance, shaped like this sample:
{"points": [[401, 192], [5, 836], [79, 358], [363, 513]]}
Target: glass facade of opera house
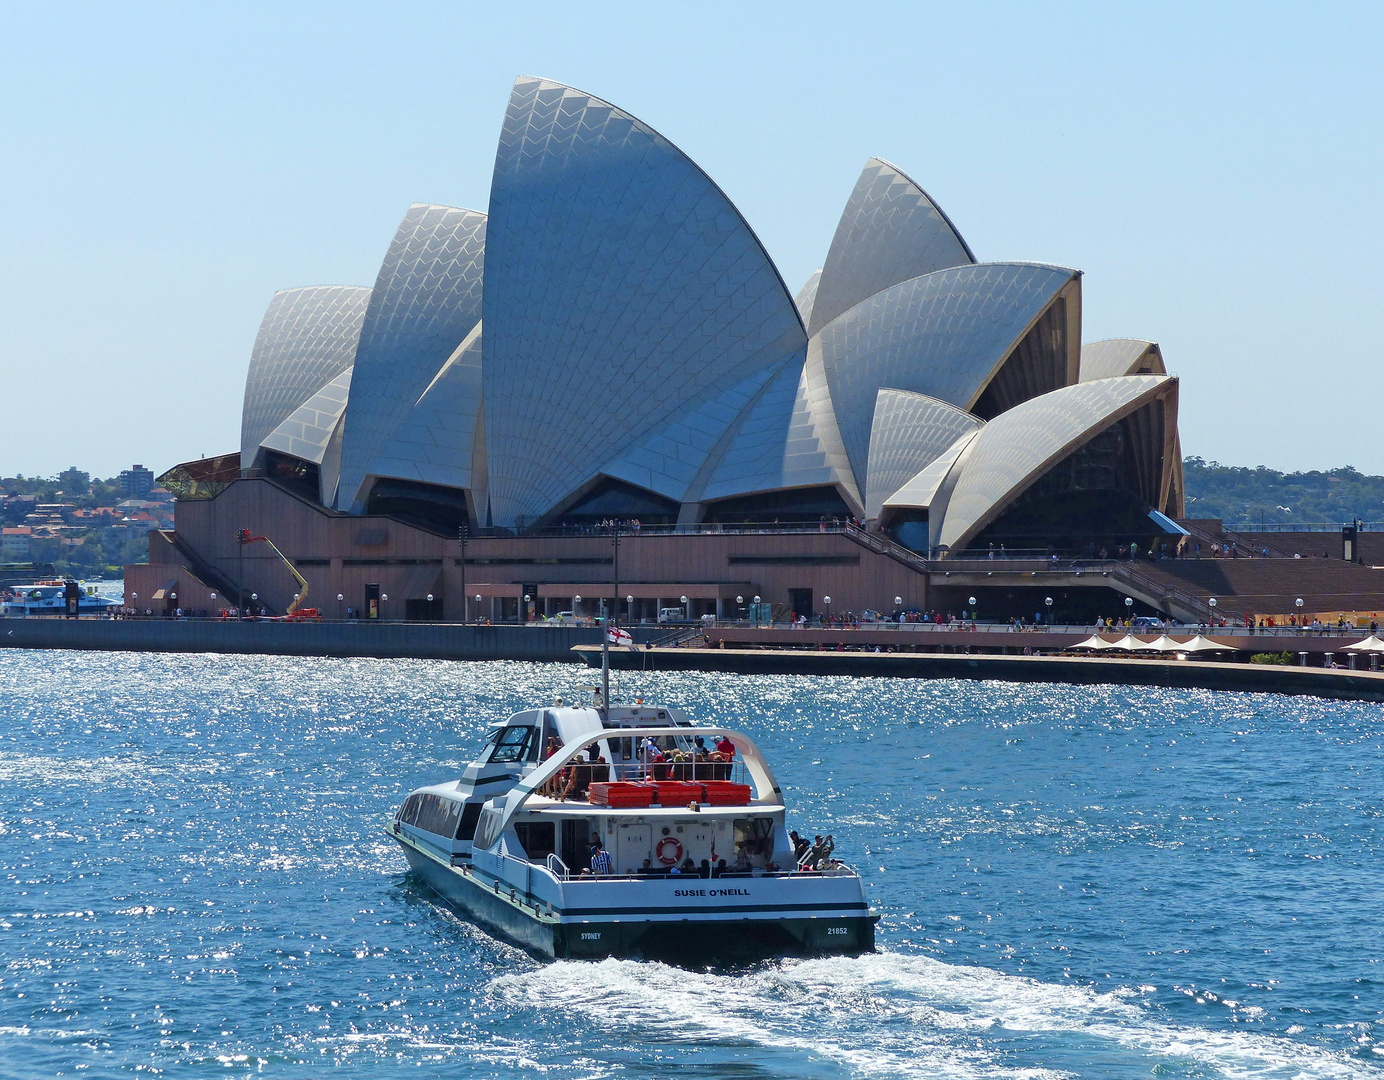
{"points": [[610, 340]]}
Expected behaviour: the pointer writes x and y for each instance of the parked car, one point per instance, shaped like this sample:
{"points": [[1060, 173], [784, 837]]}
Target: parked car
{"points": [[672, 614]]}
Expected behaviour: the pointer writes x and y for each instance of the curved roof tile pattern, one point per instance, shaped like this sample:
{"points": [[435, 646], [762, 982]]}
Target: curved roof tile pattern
{"points": [[670, 460], [307, 337], [433, 443], [889, 232], [621, 286], [944, 334], [806, 295], [1120, 356], [304, 434], [786, 438], [921, 491], [1018, 446], [426, 300], [910, 431]]}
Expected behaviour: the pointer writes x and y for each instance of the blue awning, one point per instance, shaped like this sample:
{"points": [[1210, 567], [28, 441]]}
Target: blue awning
{"points": [[1167, 524]]}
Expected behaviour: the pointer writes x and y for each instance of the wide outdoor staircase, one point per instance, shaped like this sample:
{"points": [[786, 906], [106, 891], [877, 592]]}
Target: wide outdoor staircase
{"points": [[1261, 586], [882, 545], [203, 571]]}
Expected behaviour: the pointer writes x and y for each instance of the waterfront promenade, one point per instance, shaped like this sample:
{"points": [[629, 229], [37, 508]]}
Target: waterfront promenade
{"points": [[988, 652], [388, 640], [1339, 683]]}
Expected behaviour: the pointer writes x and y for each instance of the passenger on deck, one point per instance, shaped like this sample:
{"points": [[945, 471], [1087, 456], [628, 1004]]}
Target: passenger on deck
{"points": [[578, 780], [647, 870], [600, 772], [688, 866], [654, 759], [726, 747], [819, 855], [742, 860], [800, 845], [553, 787], [720, 868], [704, 870], [600, 858]]}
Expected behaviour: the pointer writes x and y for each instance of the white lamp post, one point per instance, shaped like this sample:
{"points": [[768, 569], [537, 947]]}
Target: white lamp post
{"points": [[339, 597], [524, 615], [827, 600], [384, 599], [430, 607], [629, 607], [576, 607], [756, 613], [1047, 602], [686, 610], [478, 607]]}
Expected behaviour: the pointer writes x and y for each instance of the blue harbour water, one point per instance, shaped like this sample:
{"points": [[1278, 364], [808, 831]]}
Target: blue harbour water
{"points": [[1086, 882]]}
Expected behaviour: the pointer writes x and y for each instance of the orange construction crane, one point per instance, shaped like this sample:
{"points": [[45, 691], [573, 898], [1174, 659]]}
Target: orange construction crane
{"points": [[296, 612]]}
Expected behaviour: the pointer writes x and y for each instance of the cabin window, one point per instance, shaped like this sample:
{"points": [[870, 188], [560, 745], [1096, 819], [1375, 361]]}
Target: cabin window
{"points": [[436, 814], [488, 828], [537, 838], [469, 816], [409, 814], [511, 744], [755, 836]]}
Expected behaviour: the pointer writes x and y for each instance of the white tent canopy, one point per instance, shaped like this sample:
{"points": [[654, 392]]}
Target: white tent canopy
{"points": [[1370, 644], [1095, 641], [1203, 644]]}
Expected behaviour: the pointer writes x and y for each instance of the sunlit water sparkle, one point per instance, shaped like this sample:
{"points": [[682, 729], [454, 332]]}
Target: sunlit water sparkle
{"points": [[1094, 882]]}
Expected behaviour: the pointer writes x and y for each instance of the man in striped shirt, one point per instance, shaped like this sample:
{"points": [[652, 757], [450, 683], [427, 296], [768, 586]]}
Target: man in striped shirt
{"points": [[600, 858]]}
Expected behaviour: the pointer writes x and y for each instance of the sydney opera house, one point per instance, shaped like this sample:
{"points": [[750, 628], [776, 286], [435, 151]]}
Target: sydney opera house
{"points": [[610, 340]]}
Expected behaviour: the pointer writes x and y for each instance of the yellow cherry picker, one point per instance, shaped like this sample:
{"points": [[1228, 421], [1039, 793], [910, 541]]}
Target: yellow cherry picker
{"points": [[296, 612]]}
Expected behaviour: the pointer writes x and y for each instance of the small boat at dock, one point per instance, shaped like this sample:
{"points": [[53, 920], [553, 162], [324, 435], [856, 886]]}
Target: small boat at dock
{"points": [[50, 598]]}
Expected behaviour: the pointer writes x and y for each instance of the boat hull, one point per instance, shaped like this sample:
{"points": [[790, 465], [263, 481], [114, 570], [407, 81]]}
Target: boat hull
{"points": [[593, 936]]}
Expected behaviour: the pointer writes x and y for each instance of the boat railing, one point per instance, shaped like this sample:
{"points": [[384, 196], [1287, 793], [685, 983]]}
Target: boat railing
{"points": [[691, 771], [557, 867], [841, 870]]}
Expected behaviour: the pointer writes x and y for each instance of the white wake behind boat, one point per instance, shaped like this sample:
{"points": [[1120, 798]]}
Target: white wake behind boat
{"points": [[701, 865]]}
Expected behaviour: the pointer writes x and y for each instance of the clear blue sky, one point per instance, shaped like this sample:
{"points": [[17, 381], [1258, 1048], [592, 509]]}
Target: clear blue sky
{"points": [[1216, 173]]}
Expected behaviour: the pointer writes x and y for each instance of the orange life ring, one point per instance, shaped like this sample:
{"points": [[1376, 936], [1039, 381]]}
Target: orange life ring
{"points": [[669, 860]]}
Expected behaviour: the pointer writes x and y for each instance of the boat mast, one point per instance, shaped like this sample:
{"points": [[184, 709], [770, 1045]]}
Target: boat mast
{"points": [[605, 661], [606, 623]]}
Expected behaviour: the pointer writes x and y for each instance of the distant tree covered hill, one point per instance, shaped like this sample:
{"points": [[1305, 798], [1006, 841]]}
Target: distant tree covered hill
{"points": [[1238, 495]]}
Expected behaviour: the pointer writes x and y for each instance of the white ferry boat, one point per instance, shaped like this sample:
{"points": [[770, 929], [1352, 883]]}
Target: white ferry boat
{"points": [[655, 847], [50, 598]]}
